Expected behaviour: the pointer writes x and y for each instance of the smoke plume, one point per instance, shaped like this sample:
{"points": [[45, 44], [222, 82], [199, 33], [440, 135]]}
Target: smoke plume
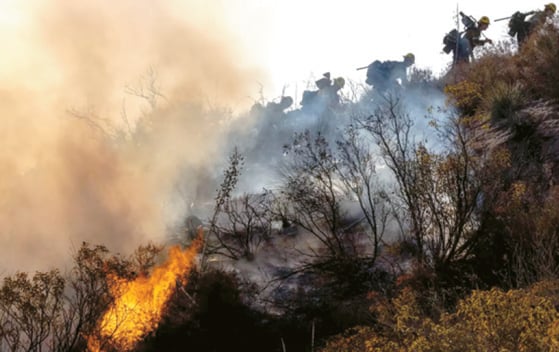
{"points": [[104, 105]]}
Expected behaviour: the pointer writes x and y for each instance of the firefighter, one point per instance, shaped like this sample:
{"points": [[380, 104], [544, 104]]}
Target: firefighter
{"points": [[327, 93], [384, 75], [471, 39], [324, 82], [540, 17], [272, 109], [330, 93], [310, 96], [522, 28], [278, 108]]}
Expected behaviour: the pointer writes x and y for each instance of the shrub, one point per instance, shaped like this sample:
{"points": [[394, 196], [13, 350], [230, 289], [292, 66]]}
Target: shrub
{"points": [[504, 100], [494, 320], [538, 63]]}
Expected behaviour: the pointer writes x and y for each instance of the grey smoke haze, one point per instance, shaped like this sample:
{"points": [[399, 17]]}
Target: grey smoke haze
{"points": [[261, 142], [62, 180]]}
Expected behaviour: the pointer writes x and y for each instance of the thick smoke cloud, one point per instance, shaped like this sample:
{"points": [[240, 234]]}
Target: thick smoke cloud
{"points": [[80, 159]]}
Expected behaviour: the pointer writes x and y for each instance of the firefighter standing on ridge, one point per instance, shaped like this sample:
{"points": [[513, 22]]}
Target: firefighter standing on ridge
{"points": [[278, 108], [384, 75], [327, 93], [330, 92], [471, 38], [310, 96], [272, 109], [522, 28]]}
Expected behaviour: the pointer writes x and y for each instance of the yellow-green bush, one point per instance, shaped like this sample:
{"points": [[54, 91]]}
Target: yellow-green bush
{"points": [[494, 320], [465, 95], [503, 80]]}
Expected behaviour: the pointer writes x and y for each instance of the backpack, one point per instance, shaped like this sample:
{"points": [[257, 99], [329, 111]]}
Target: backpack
{"points": [[308, 97], [450, 39], [468, 21], [517, 23], [372, 70]]}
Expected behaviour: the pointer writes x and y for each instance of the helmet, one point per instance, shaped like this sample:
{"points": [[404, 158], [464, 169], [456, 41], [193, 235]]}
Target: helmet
{"points": [[340, 82], [409, 57], [484, 20], [551, 6], [286, 102]]}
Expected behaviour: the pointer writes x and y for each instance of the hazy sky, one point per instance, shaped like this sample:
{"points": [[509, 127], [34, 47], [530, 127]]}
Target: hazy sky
{"points": [[296, 39]]}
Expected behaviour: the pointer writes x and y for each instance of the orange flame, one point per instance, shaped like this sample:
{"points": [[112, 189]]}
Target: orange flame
{"points": [[139, 304]]}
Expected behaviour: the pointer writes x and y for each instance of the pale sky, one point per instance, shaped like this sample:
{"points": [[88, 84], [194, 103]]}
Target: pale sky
{"points": [[299, 39], [295, 41]]}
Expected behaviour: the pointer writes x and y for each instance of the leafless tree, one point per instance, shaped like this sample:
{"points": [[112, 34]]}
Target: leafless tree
{"points": [[331, 192], [312, 192], [392, 131], [245, 223], [224, 194], [437, 192], [356, 167]]}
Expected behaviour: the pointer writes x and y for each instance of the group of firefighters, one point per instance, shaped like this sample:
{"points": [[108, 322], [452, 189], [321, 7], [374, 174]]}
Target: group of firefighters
{"points": [[384, 75]]}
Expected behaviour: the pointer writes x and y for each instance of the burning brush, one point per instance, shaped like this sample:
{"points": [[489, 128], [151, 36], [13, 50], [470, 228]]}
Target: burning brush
{"points": [[139, 304]]}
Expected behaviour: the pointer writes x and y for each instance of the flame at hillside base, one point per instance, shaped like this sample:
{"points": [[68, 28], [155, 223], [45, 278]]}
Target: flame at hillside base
{"points": [[139, 303]]}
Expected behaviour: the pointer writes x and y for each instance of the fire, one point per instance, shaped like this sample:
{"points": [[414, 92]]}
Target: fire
{"points": [[139, 304]]}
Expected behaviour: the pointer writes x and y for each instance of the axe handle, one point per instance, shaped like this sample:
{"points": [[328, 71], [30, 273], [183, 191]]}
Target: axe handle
{"points": [[523, 13], [502, 19]]}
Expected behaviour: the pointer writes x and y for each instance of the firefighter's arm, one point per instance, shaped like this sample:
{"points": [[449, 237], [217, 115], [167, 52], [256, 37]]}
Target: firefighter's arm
{"points": [[478, 41]]}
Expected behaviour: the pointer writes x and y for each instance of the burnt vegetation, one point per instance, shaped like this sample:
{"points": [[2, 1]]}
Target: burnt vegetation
{"points": [[375, 237]]}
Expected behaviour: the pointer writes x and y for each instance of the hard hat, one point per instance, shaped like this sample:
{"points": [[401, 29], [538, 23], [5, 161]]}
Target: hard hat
{"points": [[409, 57], [551, 6], [484, 20], [340, 82], [286, 101]]}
